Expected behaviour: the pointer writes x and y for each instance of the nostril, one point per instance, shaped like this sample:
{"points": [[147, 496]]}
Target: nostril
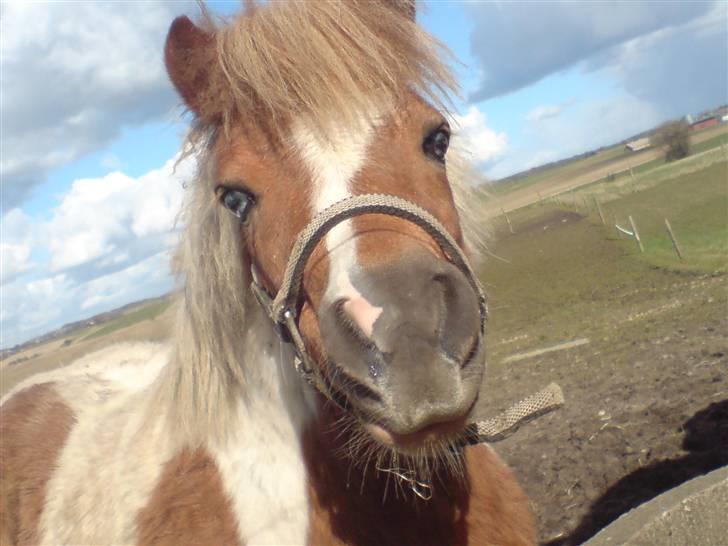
{"points": [[444, 304], [470, 354], [350, 386], [362, 313], [456, 319]]}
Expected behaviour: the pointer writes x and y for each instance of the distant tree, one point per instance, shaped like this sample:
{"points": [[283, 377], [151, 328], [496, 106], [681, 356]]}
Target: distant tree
{"points": [[674, 138]]}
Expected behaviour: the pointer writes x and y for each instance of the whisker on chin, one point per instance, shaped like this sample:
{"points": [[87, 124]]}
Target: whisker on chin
{"points": [[440, 461]]}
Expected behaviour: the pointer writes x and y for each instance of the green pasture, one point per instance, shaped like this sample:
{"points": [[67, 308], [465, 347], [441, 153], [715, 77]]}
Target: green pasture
{"points": [[146, 312], [692, 194], [563, 275], [696, 205], [549, 275]]}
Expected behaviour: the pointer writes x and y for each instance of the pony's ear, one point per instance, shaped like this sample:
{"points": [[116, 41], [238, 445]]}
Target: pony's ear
{"points": [[189, 55]]}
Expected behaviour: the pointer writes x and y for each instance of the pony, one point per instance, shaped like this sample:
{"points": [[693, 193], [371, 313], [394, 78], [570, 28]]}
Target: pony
{"points": [[333, 415]]}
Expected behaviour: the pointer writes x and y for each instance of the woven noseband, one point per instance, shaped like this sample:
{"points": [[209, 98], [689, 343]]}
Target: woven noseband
{"points": [[284, 308]]}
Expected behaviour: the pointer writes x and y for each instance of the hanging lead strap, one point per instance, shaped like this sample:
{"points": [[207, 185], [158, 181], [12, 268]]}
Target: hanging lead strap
{"points": [[508, 422]]}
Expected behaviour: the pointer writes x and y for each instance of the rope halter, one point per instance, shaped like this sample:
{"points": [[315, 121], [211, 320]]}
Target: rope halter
{"points": [[284, 308]]}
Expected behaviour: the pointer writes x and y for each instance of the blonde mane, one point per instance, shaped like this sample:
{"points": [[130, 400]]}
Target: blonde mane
{"points": [[280, 60]]}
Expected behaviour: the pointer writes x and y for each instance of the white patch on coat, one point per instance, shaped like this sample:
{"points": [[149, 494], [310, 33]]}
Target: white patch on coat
{"points": [[132, 366], [115, 453], [108, 467], [261, 463], [333, 161]]}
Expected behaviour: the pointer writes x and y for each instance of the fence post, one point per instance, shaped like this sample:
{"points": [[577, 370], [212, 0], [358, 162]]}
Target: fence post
{"points": [[599, 210], [674, 240], [636, 234], [634, 183], [510, 227]]}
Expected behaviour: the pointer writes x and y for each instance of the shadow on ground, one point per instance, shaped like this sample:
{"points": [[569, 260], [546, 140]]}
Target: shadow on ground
{"points": [[706, 438]]}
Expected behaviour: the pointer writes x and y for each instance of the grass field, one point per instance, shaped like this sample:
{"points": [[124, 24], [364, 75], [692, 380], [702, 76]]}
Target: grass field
{"points": [[695, 149], [567, 169], [150, 321], [692, 194], [147, 312], [696, 206]]}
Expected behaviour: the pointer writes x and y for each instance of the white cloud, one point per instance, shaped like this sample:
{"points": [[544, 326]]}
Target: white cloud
{"points": [[14, 260], [17, 234], [75, 73], [27, 310], [517, 47], [107, 242], [111, 221], [472, 134], [543, 112], [117, 288], [586, 125], [655, 61], [661, 67]]}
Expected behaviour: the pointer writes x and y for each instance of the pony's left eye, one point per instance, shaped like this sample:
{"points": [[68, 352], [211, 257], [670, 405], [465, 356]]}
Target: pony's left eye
{"points": [[436, 144], [238, 202]]}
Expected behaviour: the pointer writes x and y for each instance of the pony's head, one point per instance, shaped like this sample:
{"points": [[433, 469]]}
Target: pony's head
{"points": [[308, 104]]}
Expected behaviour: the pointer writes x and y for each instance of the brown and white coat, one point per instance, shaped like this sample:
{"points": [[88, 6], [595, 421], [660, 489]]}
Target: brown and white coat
{"points": [[214, 438]]}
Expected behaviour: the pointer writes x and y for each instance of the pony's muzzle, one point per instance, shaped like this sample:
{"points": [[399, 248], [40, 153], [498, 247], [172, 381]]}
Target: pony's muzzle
{"points": [[407, 349]]}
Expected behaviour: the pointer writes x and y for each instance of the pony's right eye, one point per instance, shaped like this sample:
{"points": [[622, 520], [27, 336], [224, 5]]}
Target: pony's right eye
{"points": [[239, 202]]}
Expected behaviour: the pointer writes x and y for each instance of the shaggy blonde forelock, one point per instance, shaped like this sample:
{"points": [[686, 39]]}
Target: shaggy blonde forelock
{"points": [[289, 59]]}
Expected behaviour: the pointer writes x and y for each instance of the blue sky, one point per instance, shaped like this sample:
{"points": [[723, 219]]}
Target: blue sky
{"points": [[91, 127]]}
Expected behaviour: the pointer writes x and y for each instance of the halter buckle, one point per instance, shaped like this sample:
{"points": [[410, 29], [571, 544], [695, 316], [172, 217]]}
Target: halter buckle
{"points": [[266, 302]]}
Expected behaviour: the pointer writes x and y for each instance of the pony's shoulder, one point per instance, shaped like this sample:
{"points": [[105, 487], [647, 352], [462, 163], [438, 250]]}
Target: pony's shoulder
{"points": [[126, 367]]}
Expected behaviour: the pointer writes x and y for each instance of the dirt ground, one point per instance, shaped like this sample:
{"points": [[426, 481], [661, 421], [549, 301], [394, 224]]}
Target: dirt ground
{"points": [[647, 397]]}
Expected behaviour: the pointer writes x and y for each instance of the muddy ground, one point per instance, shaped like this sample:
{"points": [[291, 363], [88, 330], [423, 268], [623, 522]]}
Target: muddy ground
{"points": [[646, 398]]}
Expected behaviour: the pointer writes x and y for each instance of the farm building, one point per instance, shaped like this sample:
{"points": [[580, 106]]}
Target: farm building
{"points": [[704, 123], [638, 144]]}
